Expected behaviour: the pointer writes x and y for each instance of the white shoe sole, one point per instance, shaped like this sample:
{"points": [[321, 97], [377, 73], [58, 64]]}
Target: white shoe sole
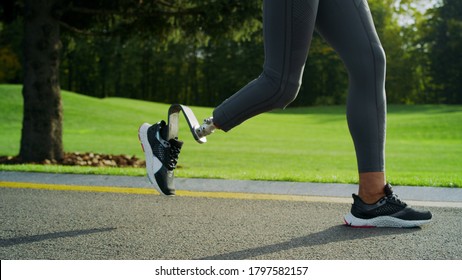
{"points": [[153, 164], [381, 221]]}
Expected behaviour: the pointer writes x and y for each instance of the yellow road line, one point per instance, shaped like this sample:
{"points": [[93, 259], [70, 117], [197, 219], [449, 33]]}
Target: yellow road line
{"points": [[59, 187], [228, 195], [146, 191]]}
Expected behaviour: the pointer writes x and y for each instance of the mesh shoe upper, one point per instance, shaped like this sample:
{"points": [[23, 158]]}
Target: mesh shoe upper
{"points": [[166, 151], [389, 205]]}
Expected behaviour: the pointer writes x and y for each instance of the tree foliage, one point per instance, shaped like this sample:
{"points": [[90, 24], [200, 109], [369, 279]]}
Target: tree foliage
{"points": [[200, 52], [206, 68], [444, 43]]}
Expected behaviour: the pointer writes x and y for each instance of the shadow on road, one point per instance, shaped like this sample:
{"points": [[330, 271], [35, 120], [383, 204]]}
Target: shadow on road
{"points": [[331, 235], [41, 237]]}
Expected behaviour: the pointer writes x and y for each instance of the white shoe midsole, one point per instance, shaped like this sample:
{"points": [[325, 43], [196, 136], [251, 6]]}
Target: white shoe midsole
{"points": [[382, 221], [153, 164]]}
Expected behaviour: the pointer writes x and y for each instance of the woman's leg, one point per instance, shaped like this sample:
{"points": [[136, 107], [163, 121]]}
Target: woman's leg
{"points": [[347, 25], [288, 27]]}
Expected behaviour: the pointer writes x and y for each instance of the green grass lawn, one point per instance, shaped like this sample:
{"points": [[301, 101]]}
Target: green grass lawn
{"points": [[424, 142]]}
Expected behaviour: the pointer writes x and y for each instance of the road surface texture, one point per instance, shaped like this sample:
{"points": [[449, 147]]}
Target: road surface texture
{"points": [[52, 216]]}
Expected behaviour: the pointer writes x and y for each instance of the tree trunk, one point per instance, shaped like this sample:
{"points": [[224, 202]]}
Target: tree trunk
{"points": [[42, 120]]}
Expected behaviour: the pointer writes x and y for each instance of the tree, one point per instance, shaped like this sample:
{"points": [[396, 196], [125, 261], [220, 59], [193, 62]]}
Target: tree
{"points": [[42, 121], [444, 41]]}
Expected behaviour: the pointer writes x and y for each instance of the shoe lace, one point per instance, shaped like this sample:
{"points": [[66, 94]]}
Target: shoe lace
{"points": [[390, 196], [173, 157], [395, 198]]}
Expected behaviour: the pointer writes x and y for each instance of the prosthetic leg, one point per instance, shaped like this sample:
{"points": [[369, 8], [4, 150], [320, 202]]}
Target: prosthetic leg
{"points": [[161, 147], [173, 119]]}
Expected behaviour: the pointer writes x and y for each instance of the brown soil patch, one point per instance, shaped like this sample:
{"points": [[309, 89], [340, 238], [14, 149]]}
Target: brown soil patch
{"points": [[84, 159]]}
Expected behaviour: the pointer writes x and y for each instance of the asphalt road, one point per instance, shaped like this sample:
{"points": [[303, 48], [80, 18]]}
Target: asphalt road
{"points": [[39, 223]]}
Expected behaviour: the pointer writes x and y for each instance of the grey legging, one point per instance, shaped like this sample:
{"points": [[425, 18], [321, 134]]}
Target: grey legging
{"points": [[347, 26]]}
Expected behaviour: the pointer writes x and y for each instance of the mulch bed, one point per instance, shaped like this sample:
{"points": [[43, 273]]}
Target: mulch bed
{"points": [[84, 159]]}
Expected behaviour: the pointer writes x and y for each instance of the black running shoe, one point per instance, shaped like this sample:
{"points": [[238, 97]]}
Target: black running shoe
{"points": [[389, 211], [161, 155]]}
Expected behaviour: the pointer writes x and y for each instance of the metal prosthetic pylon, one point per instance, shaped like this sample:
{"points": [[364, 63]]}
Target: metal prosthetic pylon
{"points": [[173, 120]]}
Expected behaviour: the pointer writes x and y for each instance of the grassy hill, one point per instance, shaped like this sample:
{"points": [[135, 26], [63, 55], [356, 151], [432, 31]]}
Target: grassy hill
{"points": [[424, 142]]}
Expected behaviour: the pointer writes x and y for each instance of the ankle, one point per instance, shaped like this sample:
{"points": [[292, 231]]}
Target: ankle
{"points": [[371, 186], [371, 198]]}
